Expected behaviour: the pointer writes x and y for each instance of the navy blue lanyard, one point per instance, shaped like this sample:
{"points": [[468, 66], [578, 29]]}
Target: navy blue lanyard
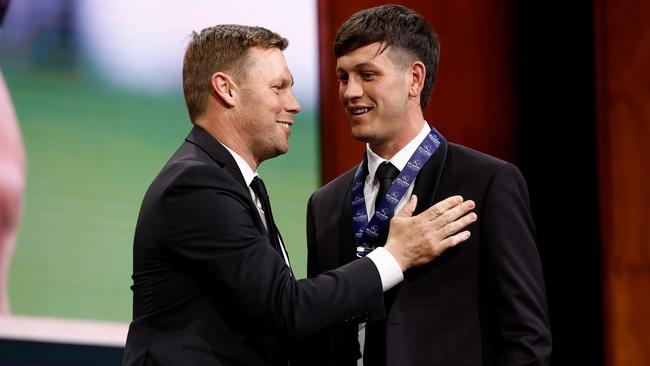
{"points": [[366, 231]]}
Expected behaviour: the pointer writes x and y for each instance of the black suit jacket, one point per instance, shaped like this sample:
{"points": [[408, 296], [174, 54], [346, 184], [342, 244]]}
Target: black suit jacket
{"points": [[209, 288], [480, 303]]}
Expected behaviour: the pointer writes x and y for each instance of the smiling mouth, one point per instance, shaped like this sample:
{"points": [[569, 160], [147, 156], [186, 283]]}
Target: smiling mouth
{"points": [[285, 124], [359, 111]]}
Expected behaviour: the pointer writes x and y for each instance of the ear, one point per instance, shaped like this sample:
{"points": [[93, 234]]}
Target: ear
{"points": [[223, 86], [417, 73]]}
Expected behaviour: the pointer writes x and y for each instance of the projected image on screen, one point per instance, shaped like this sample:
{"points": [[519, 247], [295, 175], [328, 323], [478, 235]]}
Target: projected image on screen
{"points": [[96, 87]]}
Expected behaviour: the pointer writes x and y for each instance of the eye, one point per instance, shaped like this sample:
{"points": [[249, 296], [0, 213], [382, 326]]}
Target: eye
{"points": [[343, 79], [368, 75], [276, 89]]}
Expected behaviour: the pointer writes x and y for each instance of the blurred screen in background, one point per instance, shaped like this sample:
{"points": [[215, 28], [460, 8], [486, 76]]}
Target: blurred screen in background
{"points": [[96, 86], [3, 9]]}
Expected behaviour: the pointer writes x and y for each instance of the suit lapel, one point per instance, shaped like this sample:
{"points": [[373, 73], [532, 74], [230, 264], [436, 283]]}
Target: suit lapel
{"points": [[347, 242], [224, 159], [221, 156], [426, 184], [216, 151]]}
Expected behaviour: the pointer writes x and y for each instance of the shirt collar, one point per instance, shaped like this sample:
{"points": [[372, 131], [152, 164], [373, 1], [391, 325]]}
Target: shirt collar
{"points": [[245, 169], [400, 159]]}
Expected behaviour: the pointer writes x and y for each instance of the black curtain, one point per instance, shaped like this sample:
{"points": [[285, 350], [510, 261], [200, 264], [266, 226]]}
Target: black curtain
{"points": [[557, 153]]}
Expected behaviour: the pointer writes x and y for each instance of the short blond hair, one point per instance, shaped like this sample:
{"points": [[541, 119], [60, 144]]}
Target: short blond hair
{"points": [[223, 47]]}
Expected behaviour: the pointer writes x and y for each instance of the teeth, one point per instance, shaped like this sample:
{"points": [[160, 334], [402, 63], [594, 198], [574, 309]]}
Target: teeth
{"points": [[358, 111], [285, 124]]}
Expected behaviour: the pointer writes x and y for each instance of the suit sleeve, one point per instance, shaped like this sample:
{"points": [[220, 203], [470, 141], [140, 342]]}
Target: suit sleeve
{"points": [[311, 350], [516, 280], [312, 247], [337, 345], [209, 227]]}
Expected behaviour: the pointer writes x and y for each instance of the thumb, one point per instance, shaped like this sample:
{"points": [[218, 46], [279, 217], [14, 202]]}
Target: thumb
{"points": [[407, 211]]}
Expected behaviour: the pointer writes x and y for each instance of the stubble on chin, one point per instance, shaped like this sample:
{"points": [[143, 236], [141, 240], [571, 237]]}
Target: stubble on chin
{"points": [[363, 135]]}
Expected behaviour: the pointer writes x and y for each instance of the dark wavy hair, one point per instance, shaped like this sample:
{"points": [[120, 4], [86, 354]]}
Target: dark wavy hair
{"points": [[405, 31]]}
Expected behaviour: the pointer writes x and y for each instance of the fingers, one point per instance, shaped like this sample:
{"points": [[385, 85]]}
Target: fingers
{"points": [[407, 211], [455, 239], [453, 214], [458, 225], [417, 240], [441, 207]]}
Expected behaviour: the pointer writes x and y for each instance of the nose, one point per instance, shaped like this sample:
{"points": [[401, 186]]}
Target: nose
{"points": [[350, 90], [292, 105]]}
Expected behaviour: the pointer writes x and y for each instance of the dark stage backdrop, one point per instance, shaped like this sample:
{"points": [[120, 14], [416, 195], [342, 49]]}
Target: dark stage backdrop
{"points": [[523, 81]]}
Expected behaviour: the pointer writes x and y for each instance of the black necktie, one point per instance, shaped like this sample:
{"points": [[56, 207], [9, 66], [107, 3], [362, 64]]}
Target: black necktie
{"points": [[374, 352], [272, 231], [280, 353], [385, 175]]}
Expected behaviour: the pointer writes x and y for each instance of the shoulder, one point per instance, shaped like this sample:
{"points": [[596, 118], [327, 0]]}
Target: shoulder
{"points": [[476, 159], [476, 174], [465, 160], [337, 188], [190, 169]]}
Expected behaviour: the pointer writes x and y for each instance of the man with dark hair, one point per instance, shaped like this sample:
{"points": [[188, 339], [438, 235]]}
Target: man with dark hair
{"points": [[482, 303], [212, 284]]}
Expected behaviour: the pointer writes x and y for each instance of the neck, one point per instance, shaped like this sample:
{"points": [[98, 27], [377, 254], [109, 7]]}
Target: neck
{"points": [[225, 133], [242, 150], [388, 148], [410, 126]]}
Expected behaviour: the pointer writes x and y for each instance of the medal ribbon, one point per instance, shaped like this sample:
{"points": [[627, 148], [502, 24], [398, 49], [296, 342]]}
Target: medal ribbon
{"points": [[366, 231]]}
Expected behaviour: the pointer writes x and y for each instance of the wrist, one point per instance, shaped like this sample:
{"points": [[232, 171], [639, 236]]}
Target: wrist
{"points": [[397, 255]]}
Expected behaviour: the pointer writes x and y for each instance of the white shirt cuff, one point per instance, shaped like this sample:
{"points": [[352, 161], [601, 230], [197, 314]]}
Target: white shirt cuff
{"points": [[389, 270]]}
